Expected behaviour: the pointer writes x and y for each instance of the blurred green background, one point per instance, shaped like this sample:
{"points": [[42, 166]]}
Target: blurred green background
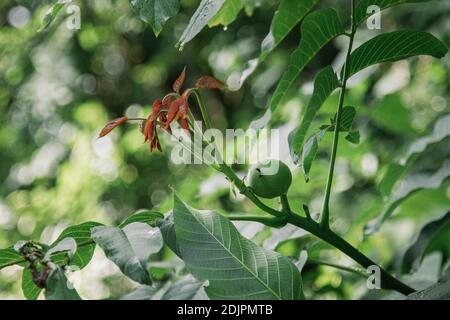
{"points": [[59, 87]]}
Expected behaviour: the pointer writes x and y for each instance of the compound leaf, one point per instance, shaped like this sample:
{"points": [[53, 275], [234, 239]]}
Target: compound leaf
{"points": [[394, 46], [235, 267]]}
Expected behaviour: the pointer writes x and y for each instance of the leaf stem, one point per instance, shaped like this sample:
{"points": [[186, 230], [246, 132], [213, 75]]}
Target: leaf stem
{"points": [[325, 214]]}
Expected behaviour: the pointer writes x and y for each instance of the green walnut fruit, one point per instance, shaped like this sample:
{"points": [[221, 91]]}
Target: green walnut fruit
{"points": [[270, 178]]}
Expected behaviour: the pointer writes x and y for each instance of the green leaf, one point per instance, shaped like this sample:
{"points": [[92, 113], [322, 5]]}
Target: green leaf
{"points": [[9, 256], [309, 152], [441, 130], [66, 245], [227, 14], [394, 46], [324, 84], [205, 11], [406, 188], [311, 146], [148, 217], [438, 291], [434, 236], [393, 173], [347, 116], [167, 228], [58, 287], [130, 247], [392, 115], [30, 290], [156, 12], [353, 137], [81, 233], [287, 16], [51, 13], [317, 30], [362, 5], [187, 288], [235, 267]]}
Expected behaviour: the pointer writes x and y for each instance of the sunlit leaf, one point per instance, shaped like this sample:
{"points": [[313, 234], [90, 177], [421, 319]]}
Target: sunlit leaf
{"points": [[235, 267], [156, 12], [67, 245], [227, 14], [58, 286], [111, 125], [394, 46], [167, 228], [130, 247], [81, 233], [205, 11]]}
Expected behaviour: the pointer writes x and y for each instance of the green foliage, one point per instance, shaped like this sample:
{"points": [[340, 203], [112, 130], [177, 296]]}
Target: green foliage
{"points": [[30, 290], [362, 5], [394, 46], [311, 147], [246, 271], [82, 235], [325, 83], [406, 188], [227, 13], [317, 30], [59, 288], [206, 10], [148, 217], [432, 237], [287, 16], [156, 12], [55, 173], [129, 247], [8, 257]]}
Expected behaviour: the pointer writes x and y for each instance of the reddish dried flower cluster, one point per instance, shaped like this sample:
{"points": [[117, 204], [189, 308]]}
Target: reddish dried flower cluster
{"points": [[173, 108]]}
